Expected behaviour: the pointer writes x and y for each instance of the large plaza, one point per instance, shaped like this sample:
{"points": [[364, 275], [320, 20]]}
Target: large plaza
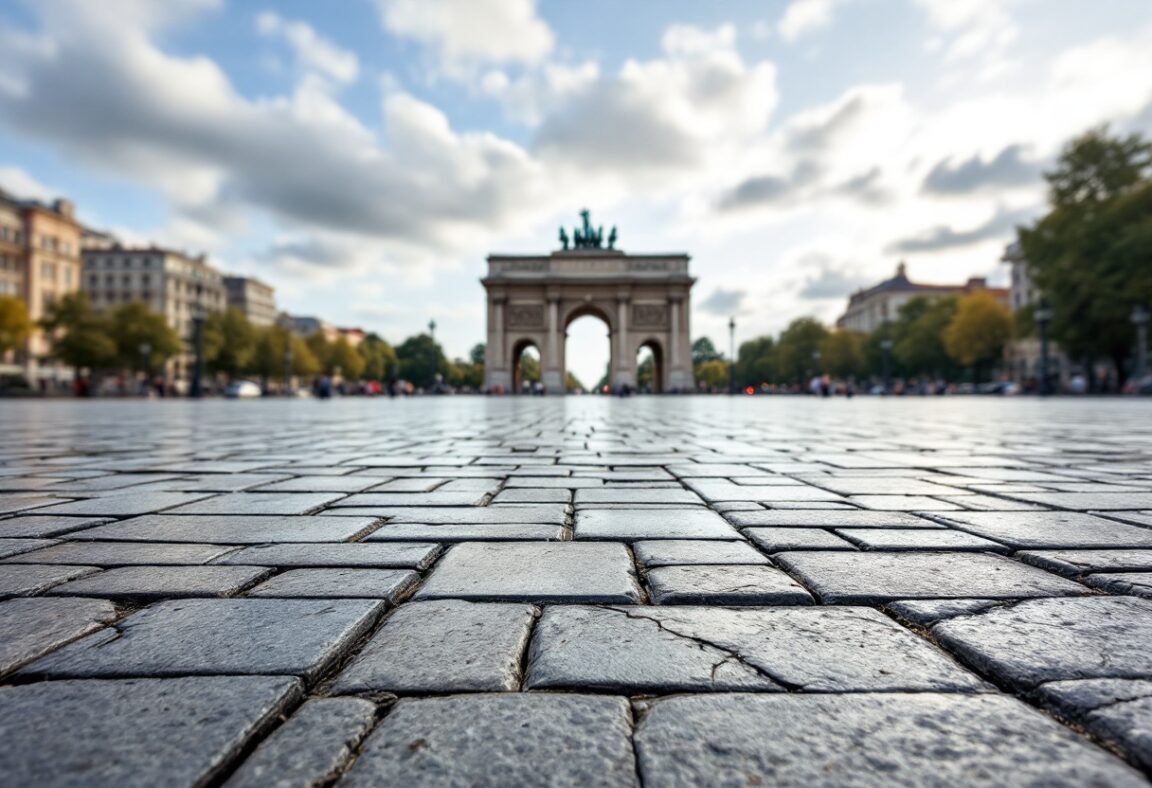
{"points": [[581, 590]]}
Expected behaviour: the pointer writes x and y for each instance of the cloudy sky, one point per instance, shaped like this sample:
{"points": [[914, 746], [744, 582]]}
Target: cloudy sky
{"points": [[365, 155]]}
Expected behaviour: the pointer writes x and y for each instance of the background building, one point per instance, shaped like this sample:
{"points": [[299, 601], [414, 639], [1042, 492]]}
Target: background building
{"points": [[39, 262], [256, 300], [167, 281], [871, 308], [306, 325], [1022, 354]]}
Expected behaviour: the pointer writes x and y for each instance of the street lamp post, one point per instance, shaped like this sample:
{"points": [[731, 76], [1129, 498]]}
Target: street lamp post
{"points": [[732, 355], [1140, 320], [287, 369], [886, 354], [145, 351], [1043, 316], [432, 329], [196, 390]]}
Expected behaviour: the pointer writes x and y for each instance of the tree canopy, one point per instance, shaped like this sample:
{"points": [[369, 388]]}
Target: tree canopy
{"points": [[979, 330], [1090, 253], [15, 325]]}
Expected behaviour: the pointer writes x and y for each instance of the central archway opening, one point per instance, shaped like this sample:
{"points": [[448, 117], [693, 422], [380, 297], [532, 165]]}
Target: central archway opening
{"points": [[587, 354], [525, 366], [650, 368]]}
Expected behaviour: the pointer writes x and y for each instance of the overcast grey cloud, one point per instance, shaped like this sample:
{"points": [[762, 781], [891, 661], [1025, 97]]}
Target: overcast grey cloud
{"points": [[770, 189], [831, 279], [723, 302], [1008, 168], [1000, 225]]}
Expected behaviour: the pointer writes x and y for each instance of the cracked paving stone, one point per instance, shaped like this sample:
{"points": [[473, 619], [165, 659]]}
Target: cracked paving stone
{"points": [[903, 503], [1116, 711], [246, 503], [124, 554], [876, 577], [628, 524], [27, 579], [255, 529], [1051, 529], [865, 740], [30, 628], [1073, 563], [676, 552], [448, 646], [338, 583], [387, 555], [501, 739], [123, 504], [829, 518], [131, 583], [725, 585], [684, 649], [310, 748], [776, 540], [24, 503], [534, 572], [45, 525], [919, 539], [319, 484], [1130, 583], [302, 637], [14, 547], [143, 732], [1043, 640]]}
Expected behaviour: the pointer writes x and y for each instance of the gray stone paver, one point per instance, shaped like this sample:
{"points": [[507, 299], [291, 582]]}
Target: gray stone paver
{"points": [[724, 585], [877, 577], [160, 582], [865, 740], [337, 583], [142, 732], [807, 591], [310, 748], [502, 739], [448, 646], [218, 637], [533, 572], [31, 627]]}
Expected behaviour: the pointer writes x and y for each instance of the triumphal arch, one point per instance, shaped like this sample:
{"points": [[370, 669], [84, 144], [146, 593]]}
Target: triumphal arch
{"points": [[644, 299]]}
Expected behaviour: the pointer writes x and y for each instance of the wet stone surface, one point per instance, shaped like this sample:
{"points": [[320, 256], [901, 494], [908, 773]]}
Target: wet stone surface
{"points": [[546, 591]]}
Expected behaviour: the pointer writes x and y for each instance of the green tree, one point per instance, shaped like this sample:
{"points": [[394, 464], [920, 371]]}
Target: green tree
{"points": [[269, 356], [343, 357], [756, 361], [478, 353], [144, 340], [713, 374], [646, 372], [380, 362], [918, 336], [421, 359], [15, 325], [529, 368], [465, 374], [842, 354], [1090, 253], [229, 342], [978, 331], [80, 336], [572, 383], [798, 349], [320, 348], [703, 350]]}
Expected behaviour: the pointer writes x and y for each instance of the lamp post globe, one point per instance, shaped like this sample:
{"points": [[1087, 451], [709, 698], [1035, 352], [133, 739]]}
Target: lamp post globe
{"points": [[732, 355]]}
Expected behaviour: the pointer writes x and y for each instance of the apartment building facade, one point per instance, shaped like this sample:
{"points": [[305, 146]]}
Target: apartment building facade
{"points": [[255, 299]]}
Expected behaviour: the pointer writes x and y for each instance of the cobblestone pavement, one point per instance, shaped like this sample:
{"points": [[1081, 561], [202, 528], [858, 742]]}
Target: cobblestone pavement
{"points": [[668, 591]]}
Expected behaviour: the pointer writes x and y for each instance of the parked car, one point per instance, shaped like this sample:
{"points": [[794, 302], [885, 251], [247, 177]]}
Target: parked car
{"points": [[242, 389]]}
